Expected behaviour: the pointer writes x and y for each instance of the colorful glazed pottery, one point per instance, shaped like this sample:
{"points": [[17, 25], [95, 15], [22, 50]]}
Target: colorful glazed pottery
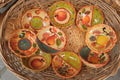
{"points": [[88, 16], [51, 39], [66, 64], [62, 14], [35, 19], [38, 62], [101, 38], [23, 43], [93, 59]]}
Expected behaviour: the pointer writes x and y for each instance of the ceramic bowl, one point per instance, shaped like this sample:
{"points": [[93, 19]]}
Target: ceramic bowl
{"points": [[62, 14], [93, 59], [88, 16], [35, 19], [51, 39], [66, 64], [38, 62], [101, 38], [22, 42]]}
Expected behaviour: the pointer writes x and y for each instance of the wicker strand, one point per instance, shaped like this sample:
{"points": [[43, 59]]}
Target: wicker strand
{"points": [[12, 21]]}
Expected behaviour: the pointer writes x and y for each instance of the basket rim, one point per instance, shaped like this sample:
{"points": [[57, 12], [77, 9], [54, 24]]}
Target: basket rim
{"points": [[4, 3], [12, 70]]}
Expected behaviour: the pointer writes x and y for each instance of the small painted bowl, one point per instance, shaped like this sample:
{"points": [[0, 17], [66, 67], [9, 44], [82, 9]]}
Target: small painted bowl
{"points": [[38, 62], [51, 39], [93, 59], [66, 64], [88, 16], [35, 19], [22, 42], [101, 38], [62, 14]]}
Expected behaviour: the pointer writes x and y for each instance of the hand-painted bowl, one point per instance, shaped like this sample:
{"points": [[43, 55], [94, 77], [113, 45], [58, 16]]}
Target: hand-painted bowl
{"points": [[22, 42], [38, 62], [66, 64], [88, 16], [101, 38], [35, 19], [92, 59], [51, 39], [62, 14]]}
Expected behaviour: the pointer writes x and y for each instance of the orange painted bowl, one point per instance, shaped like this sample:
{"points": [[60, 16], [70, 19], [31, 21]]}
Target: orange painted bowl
{"points": [[88, 16], [101, 38], [22, 42], [38, 62], [62, 14], [66, 64], [35, 19], [51, 39]]}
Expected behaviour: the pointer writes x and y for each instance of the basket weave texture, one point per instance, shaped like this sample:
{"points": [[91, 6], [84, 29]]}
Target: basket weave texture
{"points": [[4, 2], [74, 36]]}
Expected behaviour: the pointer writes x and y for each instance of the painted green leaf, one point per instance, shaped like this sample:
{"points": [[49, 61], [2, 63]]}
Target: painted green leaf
{"points": [[22, 35], [34, 45], [37, 52], [17, 51], [60, 33], [97, 17], [84, 27], [58, 42], [83, 11]]}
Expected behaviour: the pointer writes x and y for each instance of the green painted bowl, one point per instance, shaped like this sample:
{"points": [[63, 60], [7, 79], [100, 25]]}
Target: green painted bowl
{"points": [[66, 64], [62, 14]]}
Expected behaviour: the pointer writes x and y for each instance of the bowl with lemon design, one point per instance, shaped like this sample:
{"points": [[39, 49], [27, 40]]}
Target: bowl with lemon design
{"points": [[101, 38]]}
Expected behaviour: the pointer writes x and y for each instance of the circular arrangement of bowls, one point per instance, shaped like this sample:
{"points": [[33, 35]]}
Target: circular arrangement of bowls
{"points": [[35, 19], [93, 59], [38, 62], [62, 14], [88, 16], [23, 43], [101, 38], [66, 64], [51, 39]]}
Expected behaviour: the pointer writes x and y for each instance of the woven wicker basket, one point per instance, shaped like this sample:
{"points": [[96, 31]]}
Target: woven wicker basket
{"points": [[12, 21], [4, 2]]}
